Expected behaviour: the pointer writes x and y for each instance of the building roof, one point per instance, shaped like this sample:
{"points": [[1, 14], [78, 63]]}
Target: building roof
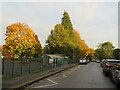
{"points": [[56, 55]]}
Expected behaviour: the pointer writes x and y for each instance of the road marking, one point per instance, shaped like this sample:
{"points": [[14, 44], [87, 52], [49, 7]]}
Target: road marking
{"points": [[56, 77], [64, 75], [55, 83], [72, 70], [52, 81], [44, 86], [68, 72]]}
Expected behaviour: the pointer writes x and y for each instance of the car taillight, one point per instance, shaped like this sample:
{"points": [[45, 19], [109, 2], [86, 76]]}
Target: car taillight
{"points": [[109, 65]]}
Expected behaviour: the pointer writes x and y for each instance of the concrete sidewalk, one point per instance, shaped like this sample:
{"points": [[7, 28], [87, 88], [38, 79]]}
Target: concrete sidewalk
{"points": [[20, 82]]}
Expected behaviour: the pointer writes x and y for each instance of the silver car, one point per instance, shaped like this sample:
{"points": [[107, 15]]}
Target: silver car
{"points": [[83, 61]]}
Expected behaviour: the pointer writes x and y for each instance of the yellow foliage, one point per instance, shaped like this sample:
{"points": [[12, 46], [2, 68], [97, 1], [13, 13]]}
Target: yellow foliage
{"points": [[20, 37]]}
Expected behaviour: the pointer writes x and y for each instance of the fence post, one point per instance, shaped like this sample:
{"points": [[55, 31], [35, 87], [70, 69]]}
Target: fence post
{"points": [[12, 67], [29, 64], [48, 67], [40, 63], [21, 65], [3, 66]]}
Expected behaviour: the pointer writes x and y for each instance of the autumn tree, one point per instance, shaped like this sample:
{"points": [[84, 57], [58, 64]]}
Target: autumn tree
{"points": [[21, 41], [1, 51], [80, 45], [90, 53], [65, 40], [1, 47], [59, 41], [38, 47]]}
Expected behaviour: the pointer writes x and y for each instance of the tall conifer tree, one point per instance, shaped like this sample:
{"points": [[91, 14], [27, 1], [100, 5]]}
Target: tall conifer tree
{"points": [[66, 22]]}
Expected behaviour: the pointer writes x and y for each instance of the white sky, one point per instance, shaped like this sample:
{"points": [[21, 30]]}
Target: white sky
{"points": [[95, 21]]}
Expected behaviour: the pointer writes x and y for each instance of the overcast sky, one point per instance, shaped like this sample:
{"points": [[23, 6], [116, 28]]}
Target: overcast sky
{"points": [[96, 22]]}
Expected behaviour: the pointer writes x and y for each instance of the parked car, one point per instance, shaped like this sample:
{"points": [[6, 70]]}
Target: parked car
{"points": [[108, 65], [103, 62], [88, 61], [93, 60], [83, 61], [98, 61], [115, 75]]}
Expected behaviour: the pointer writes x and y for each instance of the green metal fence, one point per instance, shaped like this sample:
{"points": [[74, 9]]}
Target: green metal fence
{"points": [[14, 67]]}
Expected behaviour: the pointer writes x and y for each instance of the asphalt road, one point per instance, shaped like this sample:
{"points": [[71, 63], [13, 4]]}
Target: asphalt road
{"points": [[81, 76]]}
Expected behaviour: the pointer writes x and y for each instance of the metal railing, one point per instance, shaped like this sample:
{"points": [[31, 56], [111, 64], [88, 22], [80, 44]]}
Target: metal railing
{"points": [[14, 67]]}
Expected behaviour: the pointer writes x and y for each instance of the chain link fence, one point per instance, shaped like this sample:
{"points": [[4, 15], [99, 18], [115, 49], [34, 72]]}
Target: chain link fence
{"points": [[14, 67]]}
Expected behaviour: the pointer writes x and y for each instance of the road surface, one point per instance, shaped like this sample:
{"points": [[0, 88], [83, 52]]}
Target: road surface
{"points": [[81, 76]]}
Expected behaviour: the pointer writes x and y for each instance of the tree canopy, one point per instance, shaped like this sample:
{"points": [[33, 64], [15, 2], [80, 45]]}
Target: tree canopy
{"points": [[116, 53], [66, 22], [105, 50], [58, 41], [65, 40], [21, 41]]}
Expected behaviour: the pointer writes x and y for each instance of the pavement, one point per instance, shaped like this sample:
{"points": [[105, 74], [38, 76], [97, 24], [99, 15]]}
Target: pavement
{"points": [[22, 81], [81, 76]]}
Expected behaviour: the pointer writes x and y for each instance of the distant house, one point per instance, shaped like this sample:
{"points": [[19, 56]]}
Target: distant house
{"points": [[54, 58]]}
